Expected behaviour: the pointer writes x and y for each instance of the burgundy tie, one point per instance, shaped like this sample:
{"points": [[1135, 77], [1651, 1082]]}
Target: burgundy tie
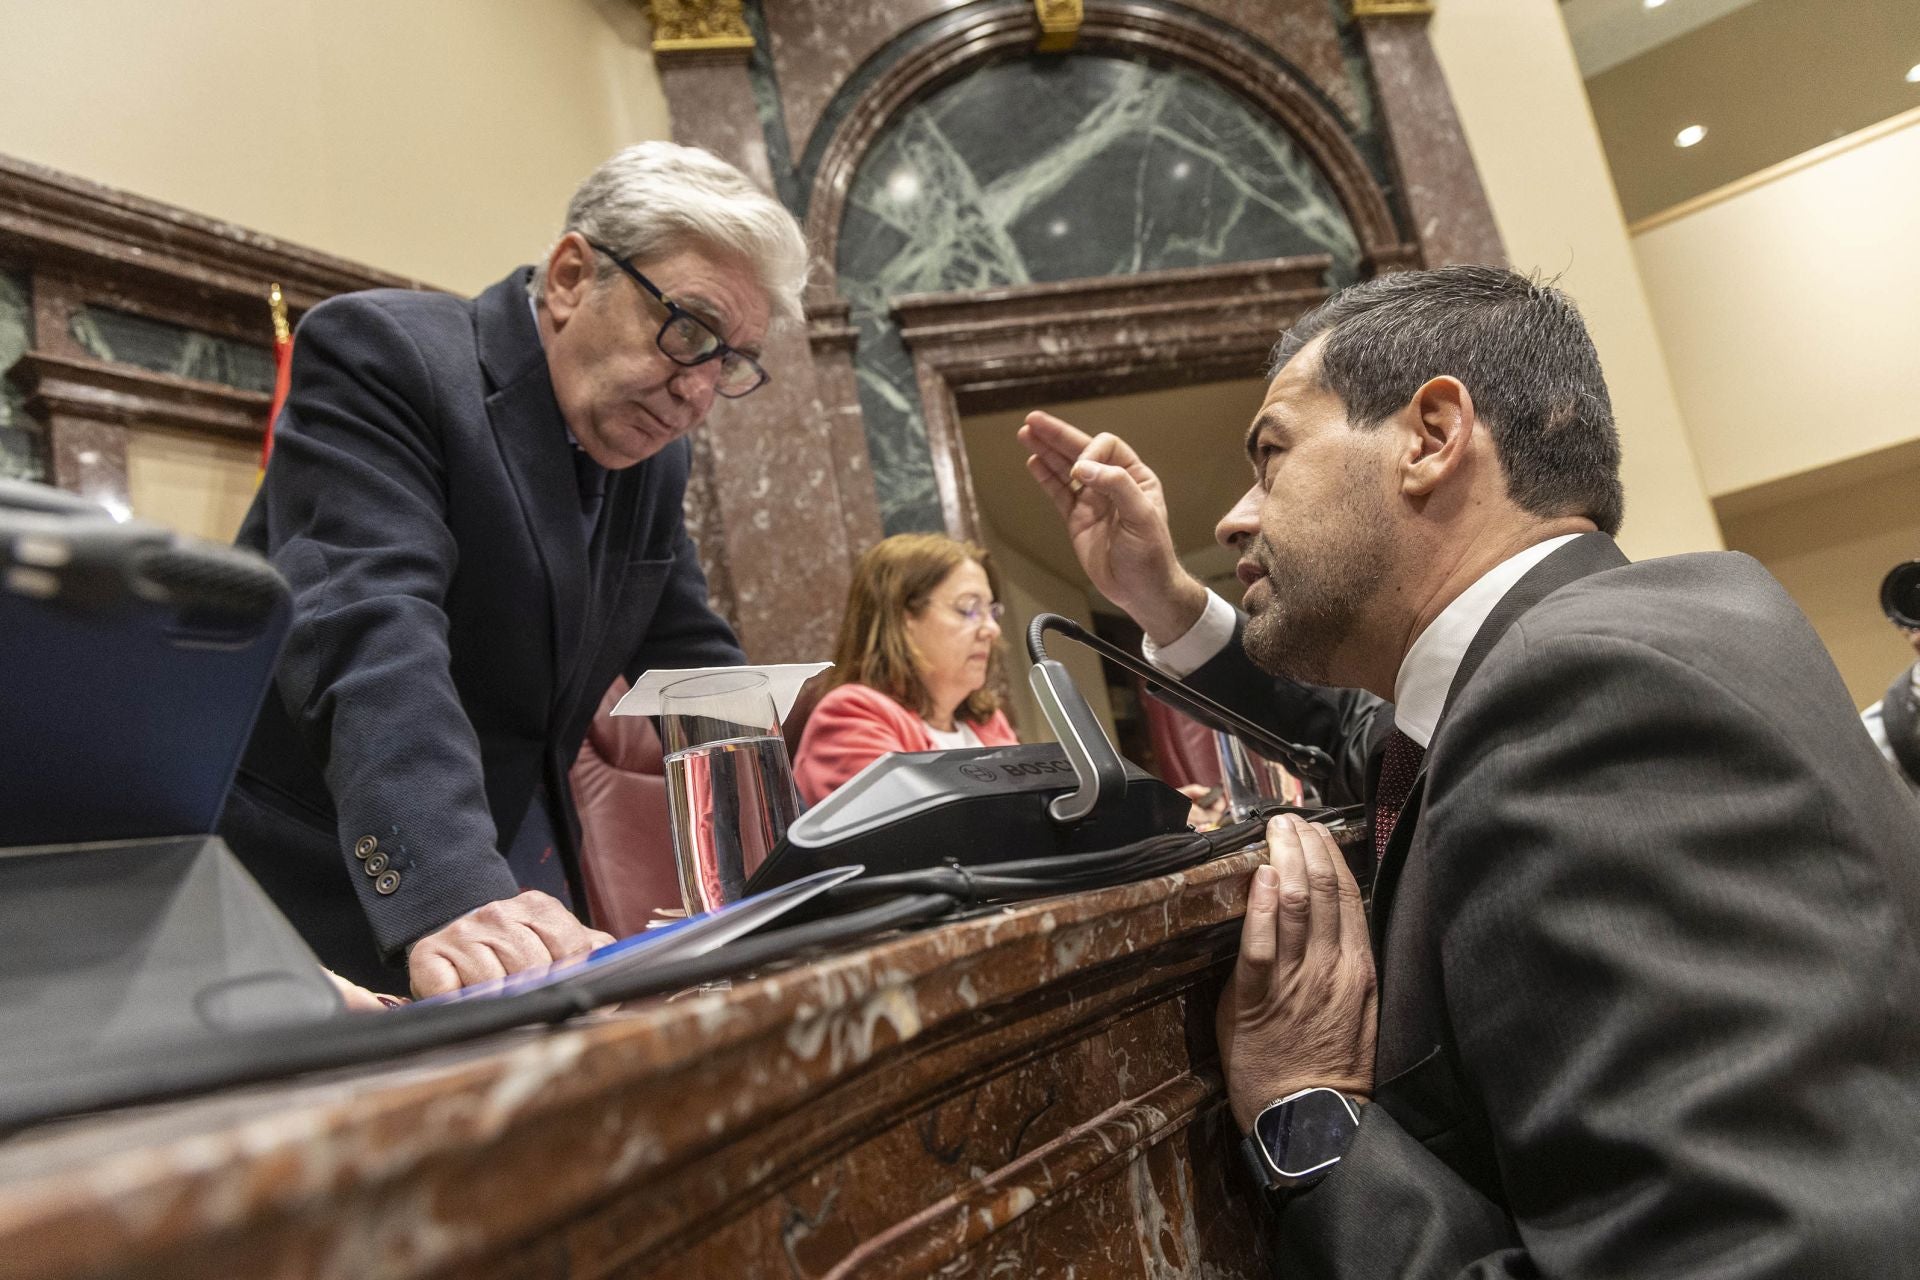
{"points": [[1397, 768]]}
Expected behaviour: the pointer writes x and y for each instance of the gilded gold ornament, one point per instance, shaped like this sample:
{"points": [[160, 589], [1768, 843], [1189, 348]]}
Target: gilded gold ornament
{"points": [[688, 26], [1059, 24]]}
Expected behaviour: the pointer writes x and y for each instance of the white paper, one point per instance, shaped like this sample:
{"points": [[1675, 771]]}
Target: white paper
{"points": [[783, 682]]}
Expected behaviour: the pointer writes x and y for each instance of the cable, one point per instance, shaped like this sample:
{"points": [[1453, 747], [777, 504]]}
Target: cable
{"points": [[1014, 881], [1307, 761]]}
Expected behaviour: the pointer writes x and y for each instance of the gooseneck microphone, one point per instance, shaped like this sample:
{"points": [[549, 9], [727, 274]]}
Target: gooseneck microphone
{"points": [[1307, 761]]}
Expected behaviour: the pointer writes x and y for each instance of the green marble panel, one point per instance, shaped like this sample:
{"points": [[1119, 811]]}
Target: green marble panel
{"points": [[21, 457], [170, 348], [1053, 169]]}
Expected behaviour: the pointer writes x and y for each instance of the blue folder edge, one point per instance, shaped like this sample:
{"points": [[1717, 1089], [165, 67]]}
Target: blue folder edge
{"points": [[695, 936]]}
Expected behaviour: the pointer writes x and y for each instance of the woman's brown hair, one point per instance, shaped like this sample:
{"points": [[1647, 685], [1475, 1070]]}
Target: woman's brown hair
{"points": [[894, 580]]}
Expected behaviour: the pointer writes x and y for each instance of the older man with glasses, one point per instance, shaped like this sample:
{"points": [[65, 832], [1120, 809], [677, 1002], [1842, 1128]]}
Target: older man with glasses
{"points": [[478, 505]]}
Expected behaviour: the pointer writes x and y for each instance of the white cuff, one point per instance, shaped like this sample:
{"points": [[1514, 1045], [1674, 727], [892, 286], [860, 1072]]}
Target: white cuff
{"points": [[1209, 634]]}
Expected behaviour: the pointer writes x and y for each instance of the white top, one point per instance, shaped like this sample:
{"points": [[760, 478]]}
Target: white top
{"points": [[1426, 673], [963, 736], [1875, 722]]}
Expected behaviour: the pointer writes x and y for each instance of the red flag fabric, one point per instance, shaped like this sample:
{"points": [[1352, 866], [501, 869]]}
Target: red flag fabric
{"points": [[282, 370]]}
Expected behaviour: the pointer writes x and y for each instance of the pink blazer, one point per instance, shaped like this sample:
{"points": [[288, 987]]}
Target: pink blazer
{"points": [[855, 725]]}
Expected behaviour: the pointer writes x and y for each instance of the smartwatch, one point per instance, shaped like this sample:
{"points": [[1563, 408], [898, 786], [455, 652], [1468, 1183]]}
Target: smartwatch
{"points": [[1298, 1140]]}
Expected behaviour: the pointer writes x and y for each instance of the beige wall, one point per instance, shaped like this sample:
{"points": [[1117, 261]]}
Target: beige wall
{"points": [[191, 483], [1029, 589], [1511, 69], [1791, 314], [435, 138], [1830, 549], [1788, 310]]}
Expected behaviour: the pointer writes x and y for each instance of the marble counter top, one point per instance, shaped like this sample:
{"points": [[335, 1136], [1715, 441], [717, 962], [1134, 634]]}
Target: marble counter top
{"points": [[923, 1103]]}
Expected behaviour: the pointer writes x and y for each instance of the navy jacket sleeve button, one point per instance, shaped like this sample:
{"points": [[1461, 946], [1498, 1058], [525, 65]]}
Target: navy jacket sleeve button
{"points": [[387, 883], [364, 846]]}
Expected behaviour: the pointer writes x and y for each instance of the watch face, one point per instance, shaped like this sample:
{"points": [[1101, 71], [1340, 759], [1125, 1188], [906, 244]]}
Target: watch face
{"points": [[1307, 1133]]}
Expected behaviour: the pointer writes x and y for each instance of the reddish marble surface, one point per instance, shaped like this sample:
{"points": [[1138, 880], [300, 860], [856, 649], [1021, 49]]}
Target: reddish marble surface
{"points": [[832, 338], [1029, 1091], [776, 492], [817, 44], [766, 509], [67, 225], [88, 457], [1452, 220], [1302, 32]]}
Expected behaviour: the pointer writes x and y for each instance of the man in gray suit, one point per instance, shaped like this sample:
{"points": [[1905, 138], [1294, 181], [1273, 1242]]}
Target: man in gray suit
{"points": [[1644, 900]]}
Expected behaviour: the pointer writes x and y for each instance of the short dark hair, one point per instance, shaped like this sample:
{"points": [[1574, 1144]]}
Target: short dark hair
{"points": [[1522, 351]]}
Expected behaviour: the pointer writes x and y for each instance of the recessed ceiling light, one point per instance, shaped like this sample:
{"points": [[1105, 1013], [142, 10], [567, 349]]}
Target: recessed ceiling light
{"points": [[1913, 74], [1690, 135], [1653, 4]]}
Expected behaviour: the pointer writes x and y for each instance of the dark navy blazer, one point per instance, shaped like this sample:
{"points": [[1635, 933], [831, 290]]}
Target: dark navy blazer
{"points": [[454, 628]]}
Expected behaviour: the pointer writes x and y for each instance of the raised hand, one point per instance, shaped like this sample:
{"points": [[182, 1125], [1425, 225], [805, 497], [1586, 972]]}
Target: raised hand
{"points": [[1116, 517]]}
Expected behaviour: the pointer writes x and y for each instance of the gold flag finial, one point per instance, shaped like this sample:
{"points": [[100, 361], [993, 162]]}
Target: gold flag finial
{"points": [[282, 331], [1059, 24], [1392, 8]]}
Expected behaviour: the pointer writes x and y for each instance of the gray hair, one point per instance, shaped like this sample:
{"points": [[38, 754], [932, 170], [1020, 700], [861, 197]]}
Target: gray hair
{"points": [[655, 198]]}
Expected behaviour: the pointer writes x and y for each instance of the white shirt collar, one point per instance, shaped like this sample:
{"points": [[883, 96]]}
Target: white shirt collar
{"points": [[1426, 673]]}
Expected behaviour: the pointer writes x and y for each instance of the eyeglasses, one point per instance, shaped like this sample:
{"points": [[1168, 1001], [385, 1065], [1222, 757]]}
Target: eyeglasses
{"points": [[977, 611], [686, 340]]}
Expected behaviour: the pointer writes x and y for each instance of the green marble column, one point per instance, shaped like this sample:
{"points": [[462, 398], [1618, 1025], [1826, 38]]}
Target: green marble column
{"points": [[20, 453]]}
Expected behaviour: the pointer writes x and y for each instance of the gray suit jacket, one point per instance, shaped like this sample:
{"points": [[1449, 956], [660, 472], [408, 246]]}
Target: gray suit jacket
{"points": [[1648, 935]]}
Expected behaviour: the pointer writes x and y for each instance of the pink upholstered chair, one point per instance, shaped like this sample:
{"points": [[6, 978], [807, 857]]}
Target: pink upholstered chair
{"points": [[620, 788], [626, 846]]}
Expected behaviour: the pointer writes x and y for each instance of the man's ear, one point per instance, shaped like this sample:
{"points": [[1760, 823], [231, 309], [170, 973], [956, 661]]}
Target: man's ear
{"points": [[570, 277], [1443, 423]]}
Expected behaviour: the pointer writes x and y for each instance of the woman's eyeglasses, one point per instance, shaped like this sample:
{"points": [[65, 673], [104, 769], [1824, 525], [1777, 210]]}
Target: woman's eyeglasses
{"points": [[976, 611]]}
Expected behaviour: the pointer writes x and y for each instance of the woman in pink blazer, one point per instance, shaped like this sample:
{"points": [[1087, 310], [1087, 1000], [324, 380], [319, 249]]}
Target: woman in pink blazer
{"points": [[918, 651]]}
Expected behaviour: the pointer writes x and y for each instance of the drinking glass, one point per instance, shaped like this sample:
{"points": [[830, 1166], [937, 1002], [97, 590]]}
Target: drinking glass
{"points": [[1250, 779], [730, 792]]}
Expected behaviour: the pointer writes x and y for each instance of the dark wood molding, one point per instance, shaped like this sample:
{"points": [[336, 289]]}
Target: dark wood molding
{"points": [[1069, 1166], [58, 222], [83, 246], [1002, 348], [122, 394]]}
